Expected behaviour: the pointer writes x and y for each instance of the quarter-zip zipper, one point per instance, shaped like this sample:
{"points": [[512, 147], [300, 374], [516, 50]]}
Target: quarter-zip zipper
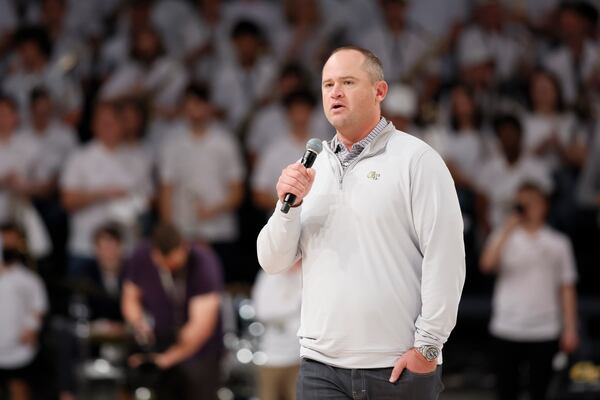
{"points": [[364, 154]]}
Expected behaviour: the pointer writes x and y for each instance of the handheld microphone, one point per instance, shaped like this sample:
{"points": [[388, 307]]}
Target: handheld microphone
{"points": [[313, 148]]}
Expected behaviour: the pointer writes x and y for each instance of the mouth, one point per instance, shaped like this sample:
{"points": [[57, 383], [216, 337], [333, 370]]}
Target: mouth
{"points": [[337, 107]]}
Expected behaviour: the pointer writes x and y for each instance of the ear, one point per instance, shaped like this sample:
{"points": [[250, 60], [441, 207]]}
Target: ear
{"points": [[381, 89]]}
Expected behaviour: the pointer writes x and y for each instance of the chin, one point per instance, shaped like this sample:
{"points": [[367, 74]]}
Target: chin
{"points": [[336, 121]]}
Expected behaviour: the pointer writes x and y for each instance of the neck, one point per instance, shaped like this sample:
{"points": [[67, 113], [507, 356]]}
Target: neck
{"points": [[465, 122], [545, 109], [300, 133], [109, 145], [532, 226], [198, 128], [349, 137], [40, 125], [110, 267], [5, 136]]}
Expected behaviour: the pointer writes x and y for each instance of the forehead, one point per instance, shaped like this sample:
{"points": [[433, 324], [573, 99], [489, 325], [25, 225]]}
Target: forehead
{"points": [[345, 63]]}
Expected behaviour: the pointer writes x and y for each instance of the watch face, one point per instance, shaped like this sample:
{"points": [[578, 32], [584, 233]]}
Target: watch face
{"points": [[430, 352]]}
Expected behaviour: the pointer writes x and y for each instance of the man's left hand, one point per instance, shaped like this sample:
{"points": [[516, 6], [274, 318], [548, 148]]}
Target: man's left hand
{"points": [[414, 362]]}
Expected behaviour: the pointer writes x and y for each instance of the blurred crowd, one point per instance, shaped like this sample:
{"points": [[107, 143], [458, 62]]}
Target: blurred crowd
{"points": [[118, 115]]}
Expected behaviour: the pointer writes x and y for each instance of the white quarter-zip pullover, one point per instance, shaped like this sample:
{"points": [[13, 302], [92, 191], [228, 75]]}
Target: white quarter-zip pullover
{"points": [[382, 253]]}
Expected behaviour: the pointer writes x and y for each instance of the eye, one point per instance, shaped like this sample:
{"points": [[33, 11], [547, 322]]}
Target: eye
{"points": [[347, 82], [327, 84]]}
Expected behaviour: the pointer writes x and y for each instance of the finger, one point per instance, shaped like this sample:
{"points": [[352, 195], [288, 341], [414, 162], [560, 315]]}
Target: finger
{"points": [[398, 368], [298, 173], [296, 179], [299, 168], [283, 189], [311, 174], [301, 184]]}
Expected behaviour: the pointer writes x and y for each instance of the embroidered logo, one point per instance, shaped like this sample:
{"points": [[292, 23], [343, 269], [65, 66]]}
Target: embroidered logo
{"points": [[373, 175]]}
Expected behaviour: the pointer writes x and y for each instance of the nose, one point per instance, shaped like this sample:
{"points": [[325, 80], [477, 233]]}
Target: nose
{"points": [[336, 92]]}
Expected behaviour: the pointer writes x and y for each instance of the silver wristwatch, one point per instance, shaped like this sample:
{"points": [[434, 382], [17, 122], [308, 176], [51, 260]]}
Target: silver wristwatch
{"points": [[429, 352]]}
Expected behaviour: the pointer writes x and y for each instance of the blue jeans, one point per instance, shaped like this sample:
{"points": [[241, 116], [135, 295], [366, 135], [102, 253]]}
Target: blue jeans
{"points": [[321, 381]]}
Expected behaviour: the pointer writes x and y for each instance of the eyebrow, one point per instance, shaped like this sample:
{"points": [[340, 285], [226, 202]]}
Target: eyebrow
{"points": [[341, 78]]}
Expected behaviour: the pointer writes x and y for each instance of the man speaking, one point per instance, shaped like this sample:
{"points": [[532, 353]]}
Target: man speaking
{"points": [[377, 225]]}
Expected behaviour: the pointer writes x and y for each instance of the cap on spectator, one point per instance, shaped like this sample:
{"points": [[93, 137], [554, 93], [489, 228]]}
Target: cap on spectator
{"points": [[401, 100]]}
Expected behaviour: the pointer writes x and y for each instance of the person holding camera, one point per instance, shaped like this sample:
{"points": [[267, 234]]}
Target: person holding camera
{"points": [[171, 298], [535, 303]]}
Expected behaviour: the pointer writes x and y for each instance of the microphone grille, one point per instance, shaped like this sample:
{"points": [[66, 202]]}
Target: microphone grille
{"points": [[315, 145]]}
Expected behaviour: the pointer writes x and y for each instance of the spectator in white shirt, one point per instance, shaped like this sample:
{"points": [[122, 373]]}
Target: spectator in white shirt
{"points": [[18, 154], [287, 148], [535, 302], [216, 45], [502, 174], [558, 139], [56, 141], [149, 74], [271, 121], [32, 68], [277, 300], [201, 180], [267, 15], [551, 132], [308, 35], [23, 304], [576, 62], [408, 53], [98, 186], [505, 42], [465, 147], [69, 47], [242, 84]]}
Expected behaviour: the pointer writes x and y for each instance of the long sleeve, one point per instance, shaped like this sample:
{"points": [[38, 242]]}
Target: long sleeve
{"points": [[277, 244], [438, 224]]}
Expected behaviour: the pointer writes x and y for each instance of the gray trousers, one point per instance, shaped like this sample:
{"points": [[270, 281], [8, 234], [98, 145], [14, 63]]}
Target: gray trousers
{"points": [[320, 381]]}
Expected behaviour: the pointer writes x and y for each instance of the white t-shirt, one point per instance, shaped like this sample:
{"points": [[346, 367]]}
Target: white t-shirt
{"points": [[271, 123], [22, 301], [18, 157], [65, 91], [500, 182], [533, 267], [179, 27], [538, 128], [399, 53], [91, 168], [277, 300], [278, 155], [504, 50], [236, 89], [467, 150], [201, 170], [561, 63], [56, 143], [438, 16], [165, 80]]}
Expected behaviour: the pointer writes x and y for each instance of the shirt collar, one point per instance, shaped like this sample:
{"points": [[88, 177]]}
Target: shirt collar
{"points": [[336, 145]]}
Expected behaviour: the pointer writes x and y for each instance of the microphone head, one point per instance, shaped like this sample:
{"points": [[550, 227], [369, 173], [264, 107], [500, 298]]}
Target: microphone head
{"points": [[315, 145]]}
